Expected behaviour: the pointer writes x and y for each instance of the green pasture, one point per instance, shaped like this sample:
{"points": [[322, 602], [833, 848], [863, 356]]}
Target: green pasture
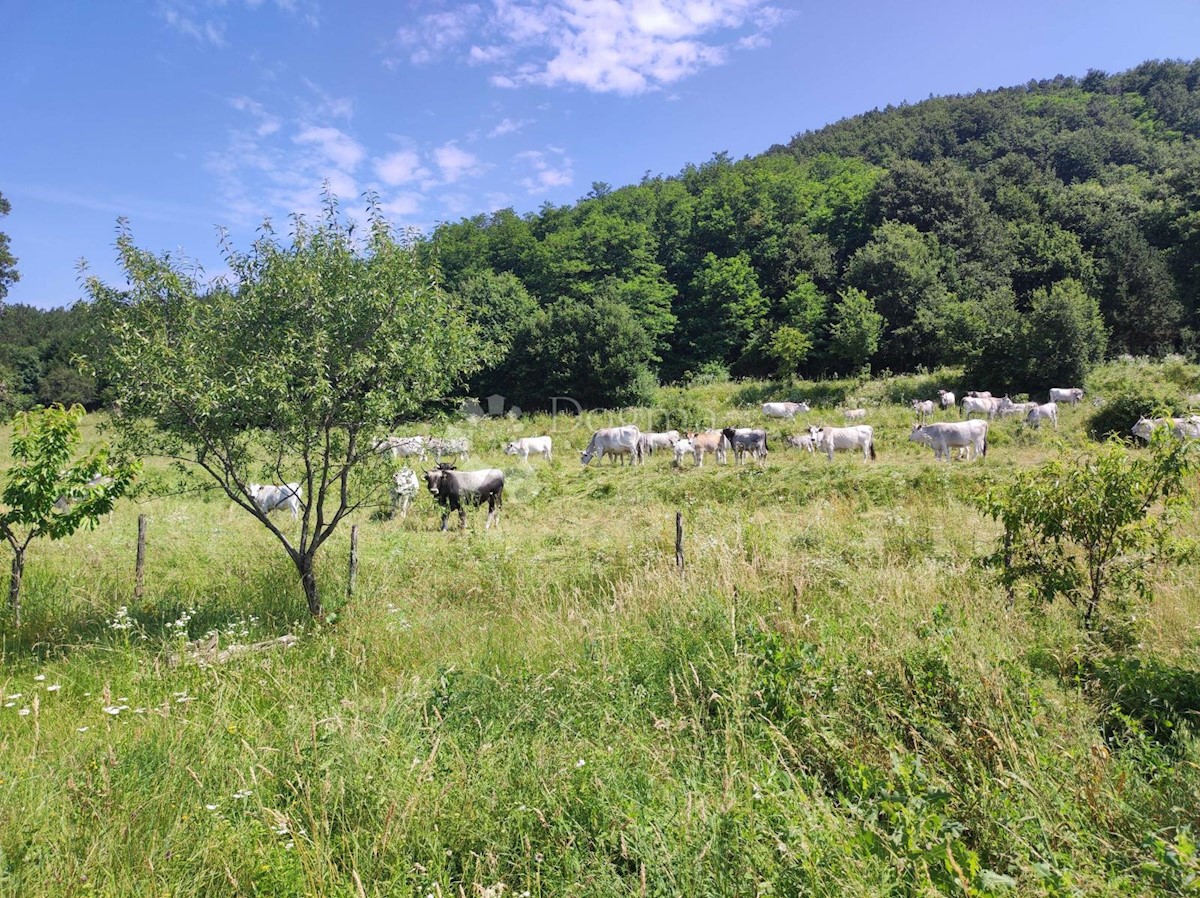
{"points": [[832, 698]]}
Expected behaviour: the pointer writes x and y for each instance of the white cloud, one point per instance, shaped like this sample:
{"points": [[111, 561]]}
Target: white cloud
{"points": [[508, 126], [456, 163], [400, 167], [402, 205], [338, 147], [546, 170], [626, 47], [267, 124]]}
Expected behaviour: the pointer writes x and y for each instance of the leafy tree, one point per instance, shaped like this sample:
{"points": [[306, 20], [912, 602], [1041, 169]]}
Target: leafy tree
{"points": [[789, 347], [1087, 528], [1065, 335], [595, 353], [855, 330], [48, 495], [323, 343], [726, 309], [8, 262]]}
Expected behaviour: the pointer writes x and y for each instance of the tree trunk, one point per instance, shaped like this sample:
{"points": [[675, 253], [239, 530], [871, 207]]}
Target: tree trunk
{"points": [[14, 585], [308, 579]]}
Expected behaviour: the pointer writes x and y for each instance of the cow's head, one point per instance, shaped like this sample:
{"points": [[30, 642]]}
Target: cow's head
{"points": [[510, 449]]}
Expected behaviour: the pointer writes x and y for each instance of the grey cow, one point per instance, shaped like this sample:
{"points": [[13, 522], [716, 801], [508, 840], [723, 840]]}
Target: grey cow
{"points": [[454, 490]]}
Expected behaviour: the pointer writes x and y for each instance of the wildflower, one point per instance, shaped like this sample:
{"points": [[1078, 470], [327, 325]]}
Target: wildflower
{"points": [[114, 710], [15, 695], [9, 704], [210, 807], [242, 793], [40, 677], [83, 729], [54, 687], [580, 763], [24, 712]]}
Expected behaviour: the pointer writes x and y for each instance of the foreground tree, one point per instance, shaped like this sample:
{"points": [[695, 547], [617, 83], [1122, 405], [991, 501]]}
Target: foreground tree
{"points": [[1087, 529], [317, 347], [48, 495]]}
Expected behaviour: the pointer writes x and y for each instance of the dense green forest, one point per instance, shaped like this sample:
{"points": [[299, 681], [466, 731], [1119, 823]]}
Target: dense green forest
{"points": [[1025, 233]]}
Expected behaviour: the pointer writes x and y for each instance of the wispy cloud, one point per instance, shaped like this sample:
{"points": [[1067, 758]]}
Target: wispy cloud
{"points": [[207, 21], [401, 167], [338, 147], [625, 47], [545, 170], [508, 126], [267, 124]]}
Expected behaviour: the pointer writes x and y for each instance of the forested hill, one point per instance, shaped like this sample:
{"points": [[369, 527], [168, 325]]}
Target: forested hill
{"points": [[1024, 232]]}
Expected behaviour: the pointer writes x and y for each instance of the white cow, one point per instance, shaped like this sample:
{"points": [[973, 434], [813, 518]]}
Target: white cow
{"points": [[787, 410], [404, 490], [664, 440], [800, 441], [1047, 411], [1009, 408], [1181, 428], [860, 436], [62, 503], [923, 408], [523, 447], [979, 394], [1070, 395], [984, 405], [682, 448], [402, 447], [268, 497], [614, 442], [957, 434], [947, 399], [854, 414], [440, 446]]}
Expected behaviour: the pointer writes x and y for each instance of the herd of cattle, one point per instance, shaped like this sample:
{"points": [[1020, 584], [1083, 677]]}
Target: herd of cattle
{"points": [[454, 490]]}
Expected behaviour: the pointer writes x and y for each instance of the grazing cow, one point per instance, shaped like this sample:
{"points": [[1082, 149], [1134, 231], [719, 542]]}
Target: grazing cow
{"points": [[745, 440], [800, 441], [959, 434], [1046, 412], [860, 436], [652, 441], [402, 447], [523, 447], [854, 414], [1181, 428], [709, 441], [985, 405], [614, 442], [923, 408], [1009, 408], [684, 447], [787, 410], [268, 498], [1070, 395], [454, 490], [404, 490], [979, 394], [947, 399], [440, 446]]}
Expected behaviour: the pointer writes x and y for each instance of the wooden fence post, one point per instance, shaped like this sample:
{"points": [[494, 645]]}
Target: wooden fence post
{"points": [[353, 561], [679, 540], [139, 575]]}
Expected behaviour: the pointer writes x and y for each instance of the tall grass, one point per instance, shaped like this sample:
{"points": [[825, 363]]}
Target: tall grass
{"points": [[831, 699]]}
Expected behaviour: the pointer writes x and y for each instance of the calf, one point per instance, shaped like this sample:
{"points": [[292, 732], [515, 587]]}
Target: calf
{"points": [[523, 447], [404, 490], [708, 441], [454, 490], [1045, 412]]}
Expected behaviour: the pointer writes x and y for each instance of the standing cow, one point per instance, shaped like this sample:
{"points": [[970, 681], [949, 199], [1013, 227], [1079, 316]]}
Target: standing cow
{"points": [[454, 490], [786, 410], [536, 445], [1046, 412], [745, 440], [942, 437], [614, 442], [709, 441], [860, 436], [923, 408], [1069, 395], [404, 490], [268, 498]]}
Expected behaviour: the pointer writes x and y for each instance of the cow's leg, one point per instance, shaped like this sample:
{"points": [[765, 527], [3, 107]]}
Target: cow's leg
{"points": [[491, 511], [445, 517]]}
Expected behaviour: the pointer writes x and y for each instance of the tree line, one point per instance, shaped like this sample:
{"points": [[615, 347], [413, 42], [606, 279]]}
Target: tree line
{"points": [[1025, 233]]}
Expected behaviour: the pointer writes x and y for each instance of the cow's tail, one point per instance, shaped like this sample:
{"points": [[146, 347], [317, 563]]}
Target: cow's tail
{"points": [[871, 446], [984, 453]]}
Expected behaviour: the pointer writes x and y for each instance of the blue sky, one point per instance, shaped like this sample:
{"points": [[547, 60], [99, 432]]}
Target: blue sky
{"points": [[186, 114]]}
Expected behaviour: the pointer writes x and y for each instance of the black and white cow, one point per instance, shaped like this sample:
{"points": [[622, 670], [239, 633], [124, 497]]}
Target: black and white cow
{"points": [[454, 490]]}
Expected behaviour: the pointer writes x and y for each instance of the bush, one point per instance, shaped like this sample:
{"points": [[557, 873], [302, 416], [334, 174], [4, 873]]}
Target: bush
{"points": [[1129, 390]]}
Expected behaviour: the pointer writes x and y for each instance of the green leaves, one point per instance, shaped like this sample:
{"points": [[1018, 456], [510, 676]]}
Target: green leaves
{"points": [[1086, 529]]}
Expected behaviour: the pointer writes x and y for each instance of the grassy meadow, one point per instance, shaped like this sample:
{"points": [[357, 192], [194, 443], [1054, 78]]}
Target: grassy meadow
{"points": [[831, 699]]}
